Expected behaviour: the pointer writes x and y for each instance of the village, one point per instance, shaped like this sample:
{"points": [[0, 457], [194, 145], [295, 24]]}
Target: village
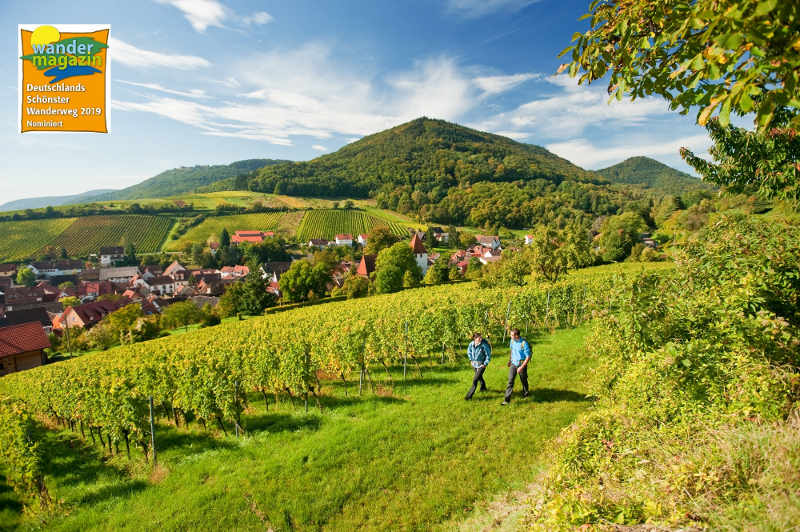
{"points": [[43, 302]]}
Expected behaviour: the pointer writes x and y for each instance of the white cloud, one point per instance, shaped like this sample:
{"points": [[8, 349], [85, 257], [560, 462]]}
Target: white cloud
{"points": [[479, 8], [258, 18], [200, 13], [192, 93], [434, 88], [583, 153], [572, 109], [306, 92], [129, 55], [319, 147], [284, 94], [497, 84], [191, 113]]}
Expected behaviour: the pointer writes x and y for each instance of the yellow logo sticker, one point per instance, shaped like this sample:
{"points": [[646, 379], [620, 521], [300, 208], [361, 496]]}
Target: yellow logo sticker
{"points": [[63, 78]]}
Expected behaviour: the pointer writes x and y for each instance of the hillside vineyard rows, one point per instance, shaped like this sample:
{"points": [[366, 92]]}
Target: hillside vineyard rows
{"points": [[328, 223], [22, 239], [87, 235], [209, 373]]}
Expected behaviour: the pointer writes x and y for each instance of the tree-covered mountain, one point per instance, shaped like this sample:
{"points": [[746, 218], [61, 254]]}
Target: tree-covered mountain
{"points": [[446, 173], [185, 179], [428, 155], [653, 174], [53, 201]]}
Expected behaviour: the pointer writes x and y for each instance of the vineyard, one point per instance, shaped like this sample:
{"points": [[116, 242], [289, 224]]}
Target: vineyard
{"points": [[20, 240], [197, 377], [212, 226], [323, 223], [87, 235]]}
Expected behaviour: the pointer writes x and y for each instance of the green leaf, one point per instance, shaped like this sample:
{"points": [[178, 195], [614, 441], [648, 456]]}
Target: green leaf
{"points": [[746, 103], [565, 50], [725, 113], [764, 7]]}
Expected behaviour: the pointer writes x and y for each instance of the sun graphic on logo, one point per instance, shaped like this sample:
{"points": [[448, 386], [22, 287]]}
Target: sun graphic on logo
{"points": [[45, 35]]}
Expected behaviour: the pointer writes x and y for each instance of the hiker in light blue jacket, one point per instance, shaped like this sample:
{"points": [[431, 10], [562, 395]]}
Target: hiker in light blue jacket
{"points": [[479, 353], [518, 364]]}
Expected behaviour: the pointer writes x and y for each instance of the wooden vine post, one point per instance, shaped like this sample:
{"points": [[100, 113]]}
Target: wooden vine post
{"points": [[152, 433]]}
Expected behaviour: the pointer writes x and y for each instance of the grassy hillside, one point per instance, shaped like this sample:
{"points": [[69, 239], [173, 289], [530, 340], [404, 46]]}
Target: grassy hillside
{"points": [[185, 179], [86, 235], [409, 457], [19, 240], [653, 174], [212, 226]]}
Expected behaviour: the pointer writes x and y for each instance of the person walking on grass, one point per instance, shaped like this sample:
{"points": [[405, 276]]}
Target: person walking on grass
{"points": [[518, 365], [479, 353]]}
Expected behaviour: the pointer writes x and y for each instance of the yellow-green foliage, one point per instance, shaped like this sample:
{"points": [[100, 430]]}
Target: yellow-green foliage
{"points": [[697, 380], [21, 463], [20, 240]]}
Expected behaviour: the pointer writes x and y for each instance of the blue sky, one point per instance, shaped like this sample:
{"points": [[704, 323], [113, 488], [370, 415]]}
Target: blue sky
{"points": [[214, 81]]}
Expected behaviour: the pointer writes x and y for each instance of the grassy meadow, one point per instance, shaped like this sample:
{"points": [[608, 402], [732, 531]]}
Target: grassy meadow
{"points": [[413, 456], [211, 227]]}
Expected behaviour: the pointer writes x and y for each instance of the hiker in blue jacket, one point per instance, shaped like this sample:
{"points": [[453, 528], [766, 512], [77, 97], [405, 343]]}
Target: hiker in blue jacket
{"points": [[518, 365], [479, 353]]}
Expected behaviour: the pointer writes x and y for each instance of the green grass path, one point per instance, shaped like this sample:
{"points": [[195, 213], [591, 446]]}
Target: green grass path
{"points": [[413, 457]]}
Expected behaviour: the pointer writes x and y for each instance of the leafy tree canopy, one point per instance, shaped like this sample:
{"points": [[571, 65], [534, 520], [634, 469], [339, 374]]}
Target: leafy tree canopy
{"points": [[722, 56]]}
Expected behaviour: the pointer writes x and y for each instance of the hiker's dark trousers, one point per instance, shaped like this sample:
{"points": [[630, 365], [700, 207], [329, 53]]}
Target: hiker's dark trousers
{"points": [[477, 378], [512, 375]]}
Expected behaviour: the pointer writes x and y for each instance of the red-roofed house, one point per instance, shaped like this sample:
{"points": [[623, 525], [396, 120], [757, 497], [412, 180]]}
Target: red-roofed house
{"points": [[173, 268], [489, 241], [528, 240], [234, 272], [362, 239], [344, 239], [95, 289], [274, 288], [88, 314], [251, 237], [22, 347]]}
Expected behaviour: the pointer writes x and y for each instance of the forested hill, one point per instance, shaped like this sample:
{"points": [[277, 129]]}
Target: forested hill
{"points": [[186, 179], [426, 154], [653, 174]]}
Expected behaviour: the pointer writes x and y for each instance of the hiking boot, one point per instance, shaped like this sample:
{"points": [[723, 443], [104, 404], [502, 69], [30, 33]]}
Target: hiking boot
{"points": [[504, 403]]}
